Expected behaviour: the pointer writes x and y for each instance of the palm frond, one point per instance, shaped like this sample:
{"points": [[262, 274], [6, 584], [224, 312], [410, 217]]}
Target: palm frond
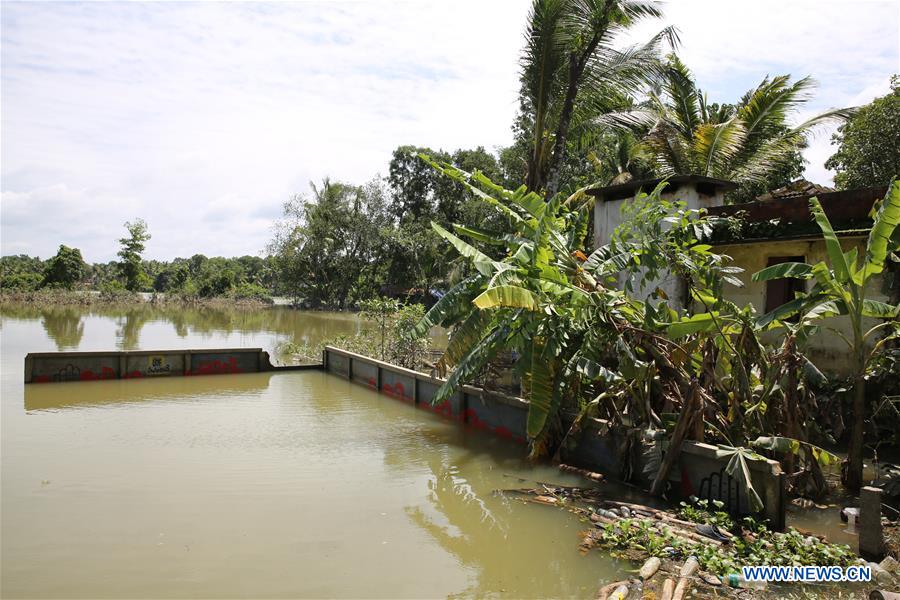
{"points": [[685, 97], [765, 109], [716, 146]]}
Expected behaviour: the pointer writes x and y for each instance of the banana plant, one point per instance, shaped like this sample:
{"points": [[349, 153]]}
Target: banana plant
{"points": [[538, 301], [841, 288]]}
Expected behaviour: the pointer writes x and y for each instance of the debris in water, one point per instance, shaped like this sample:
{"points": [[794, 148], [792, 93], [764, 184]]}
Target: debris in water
{"points": [[651, 566], [583, 472]]}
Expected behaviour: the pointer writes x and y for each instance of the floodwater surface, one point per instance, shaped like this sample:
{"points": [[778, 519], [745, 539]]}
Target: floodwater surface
{"points": [[259, 485]]}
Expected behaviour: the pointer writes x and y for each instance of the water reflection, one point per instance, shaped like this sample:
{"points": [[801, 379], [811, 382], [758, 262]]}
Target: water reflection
{"points": [[84, 394], [64, 326], [128, 328], [466, 518]]}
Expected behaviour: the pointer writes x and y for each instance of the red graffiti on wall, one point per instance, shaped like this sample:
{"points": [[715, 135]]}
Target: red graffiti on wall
{"points": [[73, 373], [472, 419], [687, 488], [216, 367], [105, 373], [398, 391]]}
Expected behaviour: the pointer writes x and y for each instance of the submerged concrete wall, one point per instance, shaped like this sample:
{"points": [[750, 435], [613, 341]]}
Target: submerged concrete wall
{"points": [[59, 367], [699, 472]]}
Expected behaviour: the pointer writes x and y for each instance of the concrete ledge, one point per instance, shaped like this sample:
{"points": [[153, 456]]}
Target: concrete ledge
{"points": [[62, 367], [599, 447]]}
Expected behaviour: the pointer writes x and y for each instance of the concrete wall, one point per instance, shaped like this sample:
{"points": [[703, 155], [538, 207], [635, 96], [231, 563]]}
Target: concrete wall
{"points": [[608, 215], [827, 350], [61, 367], [698, 472]]}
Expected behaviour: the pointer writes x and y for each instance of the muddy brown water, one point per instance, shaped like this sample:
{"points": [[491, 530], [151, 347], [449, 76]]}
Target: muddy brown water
{"points": [[294, 485], [260, 485]]}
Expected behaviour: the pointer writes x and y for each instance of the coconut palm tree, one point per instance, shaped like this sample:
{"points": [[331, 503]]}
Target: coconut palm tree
{"points": [[572, 71], [745, 142]]}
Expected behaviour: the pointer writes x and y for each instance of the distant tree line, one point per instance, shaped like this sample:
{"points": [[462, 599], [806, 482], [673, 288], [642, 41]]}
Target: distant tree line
{"points": [[244, 277]]}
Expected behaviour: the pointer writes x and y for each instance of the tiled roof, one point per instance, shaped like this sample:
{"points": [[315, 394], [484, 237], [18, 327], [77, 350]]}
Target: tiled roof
{"points": [[796, 189]]}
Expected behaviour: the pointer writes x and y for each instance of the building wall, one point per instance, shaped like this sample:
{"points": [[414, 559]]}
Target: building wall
{"points": [[608, 213], [827, 350], [608, 216]]}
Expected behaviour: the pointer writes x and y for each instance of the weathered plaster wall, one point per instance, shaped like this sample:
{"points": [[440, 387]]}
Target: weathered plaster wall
{"points": [[827, 350], [608, 216]]}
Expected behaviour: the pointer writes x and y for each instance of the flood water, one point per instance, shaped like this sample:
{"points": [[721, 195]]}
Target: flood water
{"points": [[259, 485]]}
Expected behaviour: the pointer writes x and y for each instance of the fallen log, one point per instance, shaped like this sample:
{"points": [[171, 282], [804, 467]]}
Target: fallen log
{"points": [[689, 535], [593, 476], [545, 500], [661, 515]]}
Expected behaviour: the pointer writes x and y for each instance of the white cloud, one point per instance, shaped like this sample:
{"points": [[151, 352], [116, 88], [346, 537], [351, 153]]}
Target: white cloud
{"points": [[850, 47], [211, 115], [203, 118]]}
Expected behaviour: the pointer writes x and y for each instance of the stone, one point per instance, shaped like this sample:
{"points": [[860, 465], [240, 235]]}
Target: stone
{"points": [[871, 538]]}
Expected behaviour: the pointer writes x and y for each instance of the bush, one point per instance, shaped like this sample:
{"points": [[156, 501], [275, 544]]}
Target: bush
{"points": [[20, 282], [250, 291]]}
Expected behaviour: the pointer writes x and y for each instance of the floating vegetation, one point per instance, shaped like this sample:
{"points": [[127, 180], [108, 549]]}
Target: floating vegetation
{"points": [[699, 544]]}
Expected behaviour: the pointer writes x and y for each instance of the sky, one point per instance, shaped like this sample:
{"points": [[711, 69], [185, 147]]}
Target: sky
{"points": [[204, 118]]}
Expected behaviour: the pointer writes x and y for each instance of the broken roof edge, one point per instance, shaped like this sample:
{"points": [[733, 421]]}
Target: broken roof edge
{"points": [[622, 190], [803, 237], [838, 205]]}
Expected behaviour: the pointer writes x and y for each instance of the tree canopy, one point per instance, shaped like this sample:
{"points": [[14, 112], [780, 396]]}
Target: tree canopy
{"points": [[130, 267], [869, 143], [65, 269]]}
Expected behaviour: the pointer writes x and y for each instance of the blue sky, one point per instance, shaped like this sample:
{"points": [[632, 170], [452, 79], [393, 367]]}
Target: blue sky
{"points": [[203, 118]]}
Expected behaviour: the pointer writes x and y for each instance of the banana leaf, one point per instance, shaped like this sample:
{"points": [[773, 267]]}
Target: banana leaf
{"points": [[832, 245], [540, 394], [786, 444], [786, 269], [880, 237], [507, 296], [693, 324], [881, 310], [738, 468], [450, 307], [483, 263]]}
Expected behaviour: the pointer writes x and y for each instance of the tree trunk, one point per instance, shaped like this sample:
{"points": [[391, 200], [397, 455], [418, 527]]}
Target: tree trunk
{"points": [[682, 427], [855, 455], [577, 65]]}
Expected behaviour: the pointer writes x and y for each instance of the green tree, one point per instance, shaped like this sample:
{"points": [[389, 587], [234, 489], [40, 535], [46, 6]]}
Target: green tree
{"points": [[21, 272], [382, 311], [840, 289], [131, 269], [65, 269], [750, 142], [172, 278], [869, 143], [329, 248], [572, 74]]}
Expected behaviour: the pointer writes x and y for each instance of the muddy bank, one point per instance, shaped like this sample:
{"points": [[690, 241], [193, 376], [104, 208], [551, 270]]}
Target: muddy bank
{"points": [[95, 298]]}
